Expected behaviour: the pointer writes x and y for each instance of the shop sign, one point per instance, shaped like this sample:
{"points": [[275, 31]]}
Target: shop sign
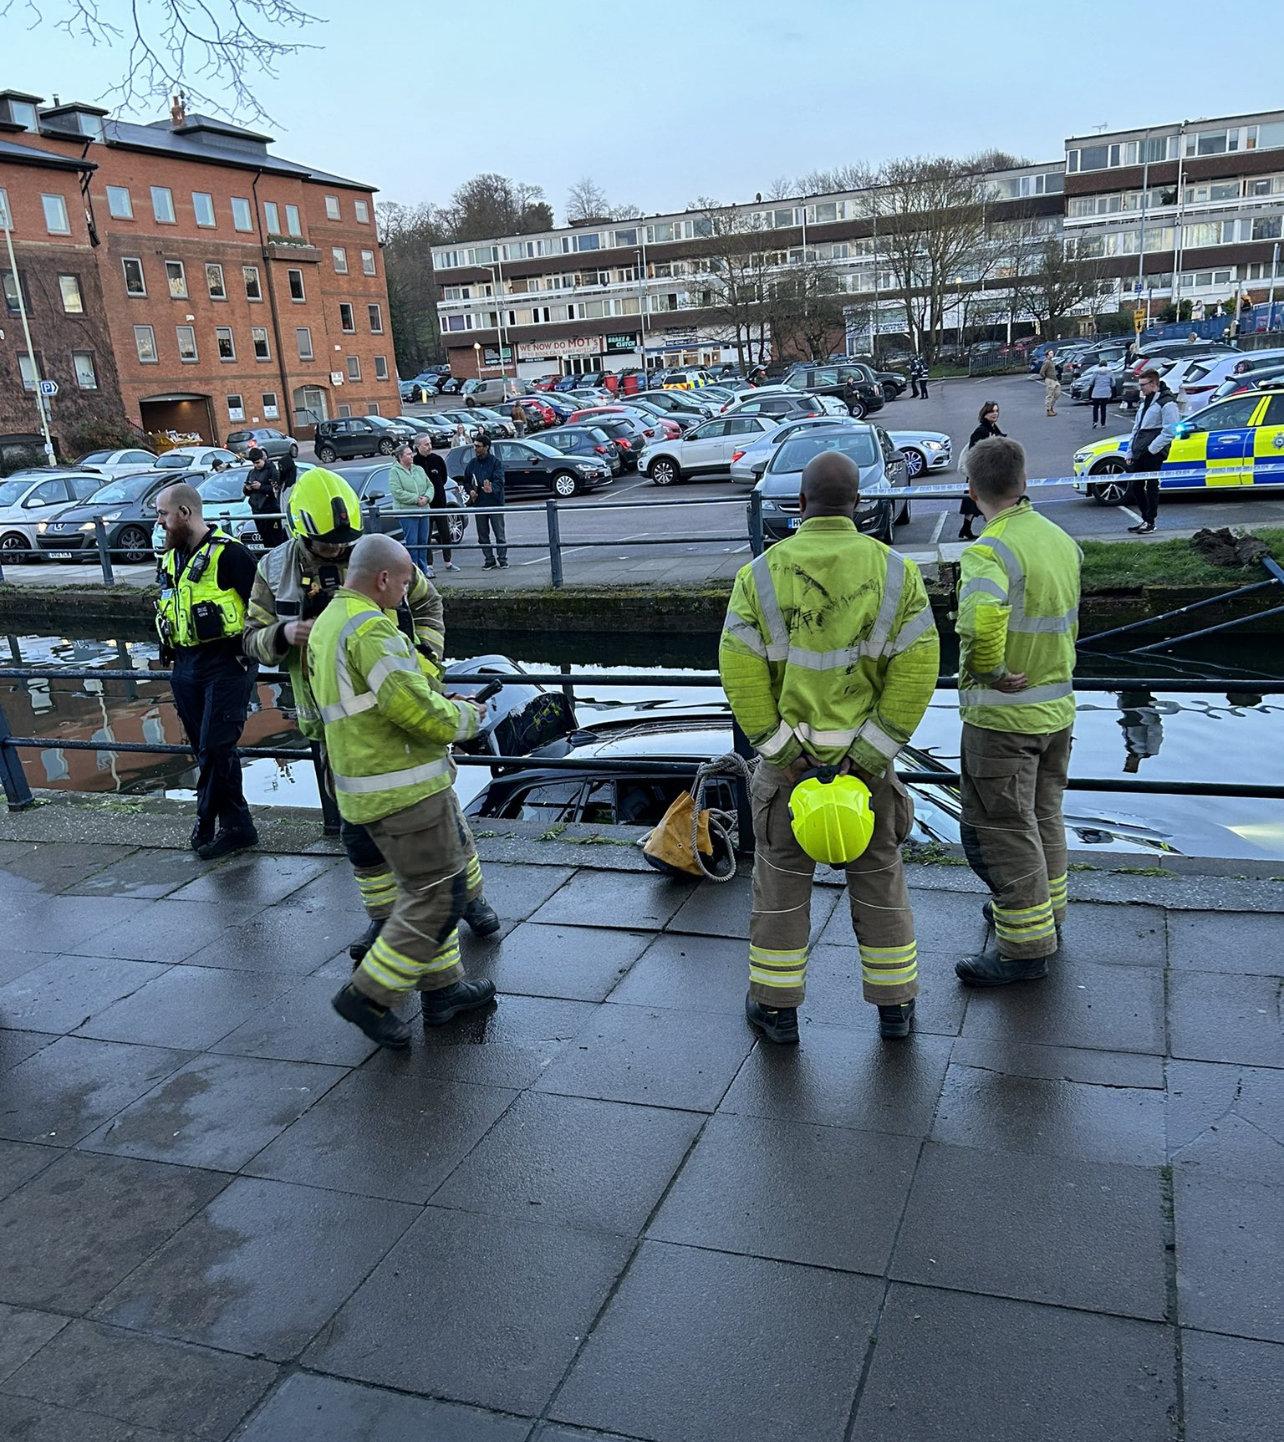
{"points": [[622, 344], [552, 349]]}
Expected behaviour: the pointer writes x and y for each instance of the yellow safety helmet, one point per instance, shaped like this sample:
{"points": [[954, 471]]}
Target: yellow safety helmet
{"points": [[832, 816], [324, 507]]}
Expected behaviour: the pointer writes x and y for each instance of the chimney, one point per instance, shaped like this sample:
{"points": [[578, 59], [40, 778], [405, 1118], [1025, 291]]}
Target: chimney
{"points": [[178, 110]]}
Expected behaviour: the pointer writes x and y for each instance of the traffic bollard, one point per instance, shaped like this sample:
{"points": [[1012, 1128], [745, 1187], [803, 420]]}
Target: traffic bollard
{"points": [[756, 543], [104, 551], [554, 542]]}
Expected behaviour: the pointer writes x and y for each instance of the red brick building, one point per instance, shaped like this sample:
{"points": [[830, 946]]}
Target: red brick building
{"points": [[230, 288]]}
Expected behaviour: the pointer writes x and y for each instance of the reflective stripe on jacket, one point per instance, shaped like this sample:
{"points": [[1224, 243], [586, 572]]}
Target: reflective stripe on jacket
{"points": [[195, 584], [1019, 613], [829, 647], [387, 728]]}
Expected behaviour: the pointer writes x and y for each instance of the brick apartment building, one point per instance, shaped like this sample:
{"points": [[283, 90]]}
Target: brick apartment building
{"points": [[223, 286]]}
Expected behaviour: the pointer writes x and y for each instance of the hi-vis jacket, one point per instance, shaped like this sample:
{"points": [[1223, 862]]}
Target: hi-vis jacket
{"points": [[194, 583], [387, 728], [288, 577], [829, 647], [1019, 612]]}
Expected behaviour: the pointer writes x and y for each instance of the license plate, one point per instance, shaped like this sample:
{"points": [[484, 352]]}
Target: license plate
{"points": [[795, 522], [59, 555]]}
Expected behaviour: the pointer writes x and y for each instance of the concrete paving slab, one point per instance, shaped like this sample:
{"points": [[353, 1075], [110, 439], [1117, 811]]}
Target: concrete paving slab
{"points": [[307, 1408], [280, 939], [517, 892], [1102, 935], [1230, 1268], [87, 1221], [1244, 944], [948, 921], [217, 1111], [165, 931], [931, 1381], [723, 910], [52, 865], [17, 1046], [17, 963], [66, 1090], [688, 973], [789, 1341], [842, 1078], [1234, 1389], [1061, 1063], [22, 1334], [573, 962], [1039, 1229], [301, 1025], [1227, 1119], [835, 995], [520, 1297], [20, 1161], [644, 1054], [259, 1270], [816, 1195], [1216, 1017], [39, 1422], [573, 1162], [596, 898], [148, 874], [189, 1007], [66, 992], [375, 1136], [255, 876], [75, 924], [191, 1391]]}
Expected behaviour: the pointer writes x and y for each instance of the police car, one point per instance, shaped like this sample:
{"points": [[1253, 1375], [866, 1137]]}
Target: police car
{"points": [[1232, 443]]}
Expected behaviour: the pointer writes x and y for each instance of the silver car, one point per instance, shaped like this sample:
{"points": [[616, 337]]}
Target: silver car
{"points": [[782, 479], [924, 451], [28, 497], [111, 464], [749, 462]]}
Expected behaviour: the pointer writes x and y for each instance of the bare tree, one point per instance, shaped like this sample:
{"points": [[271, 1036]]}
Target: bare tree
{"points": [[854, 176], [782, 188], [1051, 285], [586, 200], [734, 278], [806, 306], [490, 205], [217, 52]]}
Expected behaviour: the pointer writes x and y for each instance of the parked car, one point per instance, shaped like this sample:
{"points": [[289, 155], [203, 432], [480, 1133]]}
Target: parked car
{"points": [[1234, 384], [538, 410], [27, 497], [1081, 386], [632, 381], [778, 489], [374, 488], [687, 403], [653, 423], [194, 458], [532, 465], [705, 451], [684, 421], [353, 436], [451, 386], [566, 383], [628, 434], [924, 451], [832, 380], [272, 443], [1201, 380], [591, 395], [783, 405], [117, 463], [686, 378], [546, 383], [586, 440], [441, 432], [127, 508], [751, 454], [494, 390]]}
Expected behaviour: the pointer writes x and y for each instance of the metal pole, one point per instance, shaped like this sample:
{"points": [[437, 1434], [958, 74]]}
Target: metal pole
{"points": [[26, 331], [104, 551], [756, 541], [1181, 211], [744, 808], [1270, 304], [1180, 611], [1207, 631], [14, 780], [554, 542]]}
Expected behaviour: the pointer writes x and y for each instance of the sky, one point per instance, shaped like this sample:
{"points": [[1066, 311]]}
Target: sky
{"points": [[666, 101]]}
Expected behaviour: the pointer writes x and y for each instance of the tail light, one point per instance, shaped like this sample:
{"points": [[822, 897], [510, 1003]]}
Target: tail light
{"points": [[601, 450], [735, 456], [625, 442], [646, 432]]}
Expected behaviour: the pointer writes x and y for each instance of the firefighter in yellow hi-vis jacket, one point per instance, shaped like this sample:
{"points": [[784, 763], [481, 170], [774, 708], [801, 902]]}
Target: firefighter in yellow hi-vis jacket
{"points": [[829, 659], [1017, 626]]}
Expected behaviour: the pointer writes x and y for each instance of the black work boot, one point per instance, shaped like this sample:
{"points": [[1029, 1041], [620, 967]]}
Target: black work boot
{"points": [[444, 1005], [226, 842], [778, 1024], [895, 1021], [991, 969], [378, 1022], [202, 835], [481, 917], [366, 940]]}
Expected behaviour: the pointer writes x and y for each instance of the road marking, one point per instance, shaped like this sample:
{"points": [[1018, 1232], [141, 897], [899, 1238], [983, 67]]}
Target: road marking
{"points": [[1128, 511], [940, 526]]}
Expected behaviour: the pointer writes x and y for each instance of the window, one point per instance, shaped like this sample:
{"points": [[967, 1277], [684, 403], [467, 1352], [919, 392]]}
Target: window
{"points": [[381, 367], [163, 205], [354, 368], [376, 319], [1266, 228], [214, 279], [253, 290], [345, 317], [176, 277], [271, 411], [235, 408], [12, 295], [82, 362], [272, 217], [295, 277], [69, 286], [345, 411], [374, 408], [242, 219], [145, 344], [292, 226], [1094, 157], [226, 345], [340, 260], [363, 212], [134, 282], [23, 113], [332, 211], [259, 336], [186, 342], [203, 205], [56, 222], [303, 336], [367, 262], [119, 205], [27, 371]]}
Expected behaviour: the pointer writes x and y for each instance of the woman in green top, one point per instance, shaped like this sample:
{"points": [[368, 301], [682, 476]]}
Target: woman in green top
{"points": [[410, 491]]}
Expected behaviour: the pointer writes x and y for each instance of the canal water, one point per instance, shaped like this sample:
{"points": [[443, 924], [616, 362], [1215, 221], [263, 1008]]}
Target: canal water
{"points": [[1227, 733]]}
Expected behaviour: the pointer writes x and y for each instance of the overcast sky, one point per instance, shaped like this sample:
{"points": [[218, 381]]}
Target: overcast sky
{"points": [[664, 101]]}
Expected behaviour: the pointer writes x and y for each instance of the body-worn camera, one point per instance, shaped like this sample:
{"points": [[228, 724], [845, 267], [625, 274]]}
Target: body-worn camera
{"points": [[207, 621]]}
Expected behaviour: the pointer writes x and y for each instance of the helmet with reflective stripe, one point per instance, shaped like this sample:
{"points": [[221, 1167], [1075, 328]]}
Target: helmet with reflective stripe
{"points": [[832, 816], [324, 507]]}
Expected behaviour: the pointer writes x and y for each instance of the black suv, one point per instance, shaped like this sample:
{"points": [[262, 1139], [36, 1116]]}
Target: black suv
{"points": [[356, 436], [531, 465], [831, 380]]}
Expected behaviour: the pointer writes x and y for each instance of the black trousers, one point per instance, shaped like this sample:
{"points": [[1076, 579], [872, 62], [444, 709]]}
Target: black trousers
{"points": [[270, 532], [1099, 409], [922, 388], [212, 694], [439, 526], [1145, 487]]}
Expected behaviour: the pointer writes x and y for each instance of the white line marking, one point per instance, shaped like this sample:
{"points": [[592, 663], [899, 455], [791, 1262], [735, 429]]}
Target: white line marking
{"points": [[1127, 511], [940, 526]]}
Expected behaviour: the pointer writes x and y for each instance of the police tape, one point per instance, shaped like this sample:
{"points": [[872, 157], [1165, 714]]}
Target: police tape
{"points": [[959, 487]]}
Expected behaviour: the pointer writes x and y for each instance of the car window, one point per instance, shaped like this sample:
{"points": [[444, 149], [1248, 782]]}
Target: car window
{"points": [[554, 801], [778, 406], [226, 486], [129, 489], [750, 408], [48, 493], [173, 460], [1275, 412], [744, 425], [711, 430], [825, 378], [1235, 412], [82, 487], [138, 458], [858, 446], [95, 458]]}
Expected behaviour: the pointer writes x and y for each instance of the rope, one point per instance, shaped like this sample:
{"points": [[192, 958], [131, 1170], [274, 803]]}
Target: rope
{"points": [[720, 822]]}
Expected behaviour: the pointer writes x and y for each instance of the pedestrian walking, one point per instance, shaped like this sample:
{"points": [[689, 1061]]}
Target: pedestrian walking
{"points": [[987, 426], [1153, 430], [518, 416], [206, 581], [1051, 385], [262, 490], [434, 468], [484, 481], [388, 733], [1018, 619], [1099, 393], [828, 694], [411, 492]]}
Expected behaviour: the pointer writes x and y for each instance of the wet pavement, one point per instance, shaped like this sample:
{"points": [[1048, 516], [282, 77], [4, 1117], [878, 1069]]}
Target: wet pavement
{"points": [[602, 1210]]}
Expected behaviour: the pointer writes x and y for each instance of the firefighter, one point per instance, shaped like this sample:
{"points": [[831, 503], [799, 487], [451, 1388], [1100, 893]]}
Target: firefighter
{"points": [[1018, 619], [829, 659], [388, 732], [294, 584]]}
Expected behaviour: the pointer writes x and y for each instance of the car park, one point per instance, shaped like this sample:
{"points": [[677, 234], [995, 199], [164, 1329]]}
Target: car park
{"points": [[352, 436], [493, 391], [686, 378], [778, 488], [689, 403], [117, 463], [532, 465], [653, 423], [126, 506], [440, 432], [629, 435], [1201, 380], [194, 458], [273, 443], [451, 386], [566, 383], [683, 420], [705, 451], [831, 380], [28, 497], [749, 458], [1081, 386], [586, 440]]}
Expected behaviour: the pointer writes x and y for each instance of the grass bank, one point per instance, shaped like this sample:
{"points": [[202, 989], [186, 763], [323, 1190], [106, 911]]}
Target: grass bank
{"points": [[1111, 566]]}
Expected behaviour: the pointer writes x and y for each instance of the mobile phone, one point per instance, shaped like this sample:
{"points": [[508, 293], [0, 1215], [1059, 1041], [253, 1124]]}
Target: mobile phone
{"points": [[491, 688]]}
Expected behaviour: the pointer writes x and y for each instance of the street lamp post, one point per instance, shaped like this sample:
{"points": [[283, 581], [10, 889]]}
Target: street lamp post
{"points": [[1270, 304], [26, 331], [497, 281], [477, 357]]}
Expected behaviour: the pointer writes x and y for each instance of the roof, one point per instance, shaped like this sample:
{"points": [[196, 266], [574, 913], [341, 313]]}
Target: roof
{"points": [[46, 159]]}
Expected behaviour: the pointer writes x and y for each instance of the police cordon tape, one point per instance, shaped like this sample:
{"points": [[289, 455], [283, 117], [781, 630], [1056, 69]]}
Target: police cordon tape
{"points": [[959, 488]]}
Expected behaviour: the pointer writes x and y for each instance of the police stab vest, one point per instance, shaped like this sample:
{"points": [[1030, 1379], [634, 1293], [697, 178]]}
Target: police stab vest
{"points": [[193, 608]]}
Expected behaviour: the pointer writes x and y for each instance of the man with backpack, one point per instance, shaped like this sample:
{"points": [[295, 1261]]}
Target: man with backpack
{"points": [[1158, 416]]}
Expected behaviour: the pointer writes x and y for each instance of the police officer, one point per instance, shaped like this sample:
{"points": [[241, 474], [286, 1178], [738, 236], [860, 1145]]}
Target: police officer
{"points": [[388, 733], [294, 585], [829, 658], [206, 578], [1018, 620]]}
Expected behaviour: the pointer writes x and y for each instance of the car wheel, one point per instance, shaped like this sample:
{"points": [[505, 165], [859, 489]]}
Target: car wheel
{"points": [[904, 516], [13, 548], [565, 485], [326, 454], [1113, 492], [294, 450], [663, 472], [386, 448], [857, 410], [887, 533], [458, 525], [134, 546], [915, 462]]}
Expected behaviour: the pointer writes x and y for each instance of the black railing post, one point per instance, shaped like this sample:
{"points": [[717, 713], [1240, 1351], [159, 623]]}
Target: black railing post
{"points": [[756, 544], [554, 542], [744, 810], [104, 551], [329, 807], [14, 780]]}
